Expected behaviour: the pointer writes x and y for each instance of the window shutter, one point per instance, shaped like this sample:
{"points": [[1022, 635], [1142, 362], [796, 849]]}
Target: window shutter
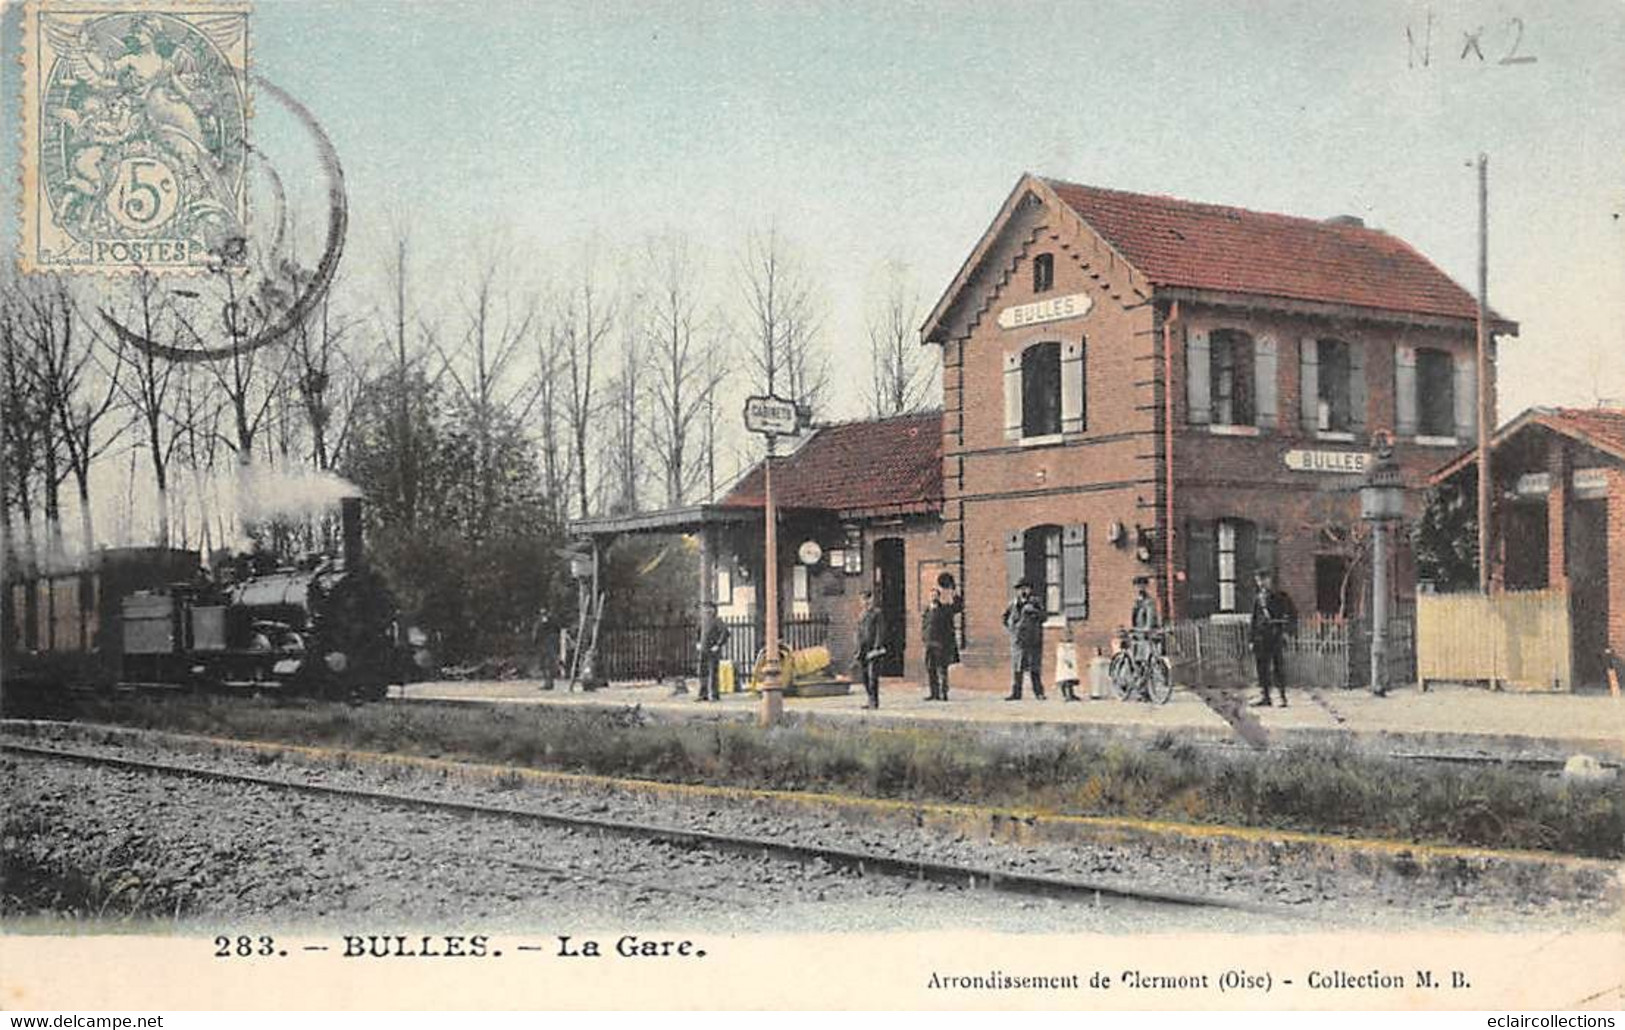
{"points": [[1201, 569], [1074, 413], [1264, 548], [1247, 541], [1405, 391], [1466, 398], [1356, 386], [1198, 391], [1012, 396], [1015, 560], [1309, 384], [1264, 381], [1255, 549], [1075, 572]]}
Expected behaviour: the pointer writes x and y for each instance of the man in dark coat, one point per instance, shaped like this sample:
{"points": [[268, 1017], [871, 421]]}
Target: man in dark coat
{"points": [[1024, 620], [544, 638], [870, 646], [1274, 617], [941, 640], [713, 641]]}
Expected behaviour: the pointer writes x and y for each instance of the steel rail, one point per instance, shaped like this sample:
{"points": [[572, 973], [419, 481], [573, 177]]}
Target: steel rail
{"points": [[863, 863]]}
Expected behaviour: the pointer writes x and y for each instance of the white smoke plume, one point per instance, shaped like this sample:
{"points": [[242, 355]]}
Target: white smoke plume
{"points": [[265, 492]]}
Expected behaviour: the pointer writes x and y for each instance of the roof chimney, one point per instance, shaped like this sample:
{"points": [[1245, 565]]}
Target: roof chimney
{"points": [[1354, 221]]}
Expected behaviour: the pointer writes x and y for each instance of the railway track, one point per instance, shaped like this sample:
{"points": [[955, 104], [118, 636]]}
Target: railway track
{"points": [[962, 876]]}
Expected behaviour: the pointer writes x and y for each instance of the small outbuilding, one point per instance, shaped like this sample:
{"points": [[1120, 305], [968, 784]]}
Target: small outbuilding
{"points": [[1559, 521]]}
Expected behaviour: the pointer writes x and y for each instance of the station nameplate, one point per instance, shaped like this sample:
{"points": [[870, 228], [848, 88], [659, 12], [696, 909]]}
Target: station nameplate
{"points": [[772, 415], [1348, 463], [1051, 309]]}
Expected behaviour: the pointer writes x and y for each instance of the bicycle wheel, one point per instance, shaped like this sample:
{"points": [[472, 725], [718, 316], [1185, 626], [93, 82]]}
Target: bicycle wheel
{"points": [[1159, 679], [1122, 675]]}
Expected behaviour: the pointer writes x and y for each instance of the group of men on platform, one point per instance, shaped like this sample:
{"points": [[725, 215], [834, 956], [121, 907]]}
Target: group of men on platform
{"points": [[1273, 619]]}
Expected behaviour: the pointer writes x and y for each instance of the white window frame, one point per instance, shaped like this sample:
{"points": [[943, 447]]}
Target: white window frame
{"points": [[1053, 567], [1225, 547]]}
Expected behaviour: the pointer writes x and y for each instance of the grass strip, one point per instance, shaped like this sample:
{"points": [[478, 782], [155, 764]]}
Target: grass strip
{"points": [[1315, 789]]}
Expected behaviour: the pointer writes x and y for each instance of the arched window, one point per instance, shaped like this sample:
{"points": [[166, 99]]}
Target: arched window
{"points": [[1041, 390]]}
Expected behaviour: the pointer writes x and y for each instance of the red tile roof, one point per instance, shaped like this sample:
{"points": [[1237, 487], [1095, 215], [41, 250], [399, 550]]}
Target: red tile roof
{"points": [[1179, 243], [886, 465], [1602, 428]]}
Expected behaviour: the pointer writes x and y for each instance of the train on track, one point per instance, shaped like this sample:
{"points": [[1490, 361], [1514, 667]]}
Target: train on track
{"points": [[152, 618]]}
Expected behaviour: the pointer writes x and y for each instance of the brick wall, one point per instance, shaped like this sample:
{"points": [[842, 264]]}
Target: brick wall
{"points": [[1113, 470]]}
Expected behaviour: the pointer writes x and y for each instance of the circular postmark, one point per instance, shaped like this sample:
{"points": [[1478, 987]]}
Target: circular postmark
{"points": [[278, 310]]}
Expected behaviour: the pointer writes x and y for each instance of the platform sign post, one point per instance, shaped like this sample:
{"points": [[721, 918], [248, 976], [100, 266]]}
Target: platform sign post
{"points": [[771, 416]]}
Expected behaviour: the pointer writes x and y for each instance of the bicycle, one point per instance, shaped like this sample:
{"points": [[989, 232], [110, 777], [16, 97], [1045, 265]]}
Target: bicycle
{"points": [[1139, 671]]}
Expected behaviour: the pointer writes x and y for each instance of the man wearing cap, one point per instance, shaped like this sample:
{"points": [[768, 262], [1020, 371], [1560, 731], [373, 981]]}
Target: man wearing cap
{"points": [[869, 648], [1273, 618], [941, 640], [713, 640], [1024, 620], [1145, 616]]}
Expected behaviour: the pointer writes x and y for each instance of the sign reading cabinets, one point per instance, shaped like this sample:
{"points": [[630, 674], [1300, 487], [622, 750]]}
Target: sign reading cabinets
{"points": [[1052, 309]]}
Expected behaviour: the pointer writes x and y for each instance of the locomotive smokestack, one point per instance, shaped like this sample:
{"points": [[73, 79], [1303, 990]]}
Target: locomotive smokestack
{"points": [[350, 520]]}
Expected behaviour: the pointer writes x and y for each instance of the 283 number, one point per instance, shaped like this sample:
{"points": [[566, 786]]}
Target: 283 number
{"points": [[243, 946]]}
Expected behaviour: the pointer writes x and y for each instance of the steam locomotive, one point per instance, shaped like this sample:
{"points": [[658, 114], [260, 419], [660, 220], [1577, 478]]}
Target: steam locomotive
{"points": [[150, 618]]}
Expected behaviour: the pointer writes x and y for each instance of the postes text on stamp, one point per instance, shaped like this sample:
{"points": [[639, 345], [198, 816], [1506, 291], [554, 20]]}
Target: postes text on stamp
{"points": [[134, 147]]}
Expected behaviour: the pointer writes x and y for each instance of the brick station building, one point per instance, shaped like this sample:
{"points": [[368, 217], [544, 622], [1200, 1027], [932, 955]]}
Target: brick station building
{"points": [[1142, 385]]}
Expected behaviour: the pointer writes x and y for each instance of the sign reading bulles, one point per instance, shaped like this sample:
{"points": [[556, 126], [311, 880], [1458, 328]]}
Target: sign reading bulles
{"points": [[1052, 309], [1349, 463]]}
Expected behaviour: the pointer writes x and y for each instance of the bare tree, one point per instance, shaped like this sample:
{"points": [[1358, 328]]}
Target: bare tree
{"points": [[626, 398], [585, 319], [682, 343], [497, 329], [198, 411], [20, 416], [146, 389], [783, 321], [77, 394], [900, 376]]}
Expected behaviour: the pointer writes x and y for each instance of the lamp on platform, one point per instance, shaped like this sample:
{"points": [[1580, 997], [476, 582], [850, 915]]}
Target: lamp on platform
{"points": [[1382, 502]]}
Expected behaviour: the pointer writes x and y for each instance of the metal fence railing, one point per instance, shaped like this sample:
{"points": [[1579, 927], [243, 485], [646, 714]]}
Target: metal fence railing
{"points": [[1325, 652], [660, 650]]}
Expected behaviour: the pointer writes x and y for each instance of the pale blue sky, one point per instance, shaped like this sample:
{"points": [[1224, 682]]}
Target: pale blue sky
{"points": [[869, 132]]}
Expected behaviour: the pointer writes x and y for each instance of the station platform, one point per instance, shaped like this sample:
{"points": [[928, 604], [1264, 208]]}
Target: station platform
{"points": [[1459, 722]]}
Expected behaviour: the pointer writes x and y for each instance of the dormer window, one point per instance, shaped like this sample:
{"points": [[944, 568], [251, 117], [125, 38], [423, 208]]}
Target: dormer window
{"points": [[1043, 273]]}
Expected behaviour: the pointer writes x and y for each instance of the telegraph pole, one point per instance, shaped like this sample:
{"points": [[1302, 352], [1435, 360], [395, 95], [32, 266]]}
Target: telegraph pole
{"points": [[1483, 378]]}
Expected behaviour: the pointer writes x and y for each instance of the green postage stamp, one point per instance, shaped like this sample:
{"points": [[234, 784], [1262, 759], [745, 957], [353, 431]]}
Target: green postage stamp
{"points": [[134, 142]]}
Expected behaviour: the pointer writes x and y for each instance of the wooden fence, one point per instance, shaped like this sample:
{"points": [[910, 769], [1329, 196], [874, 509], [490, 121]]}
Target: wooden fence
{"points": [[661, 650], [1519, 639]]}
